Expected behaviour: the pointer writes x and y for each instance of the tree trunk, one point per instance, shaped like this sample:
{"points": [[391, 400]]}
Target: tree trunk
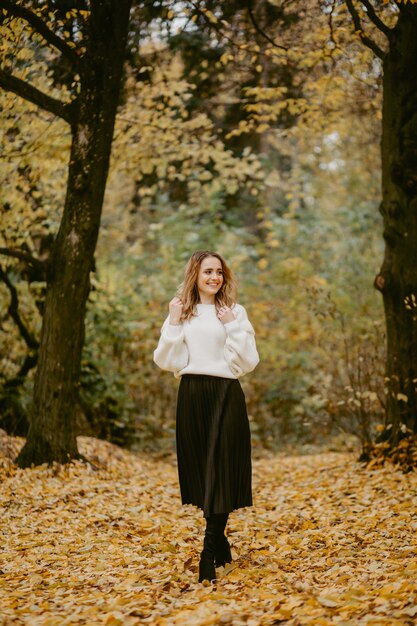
{"points": [[52, 435], [398, 279]]}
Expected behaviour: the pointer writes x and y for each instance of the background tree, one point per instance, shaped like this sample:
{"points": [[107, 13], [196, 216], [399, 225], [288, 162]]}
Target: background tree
{"points": [[93, 45], [392, 36]]}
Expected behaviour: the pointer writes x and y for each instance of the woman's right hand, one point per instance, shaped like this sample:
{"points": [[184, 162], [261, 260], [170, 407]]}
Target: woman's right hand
{"points": [[175, 311]]}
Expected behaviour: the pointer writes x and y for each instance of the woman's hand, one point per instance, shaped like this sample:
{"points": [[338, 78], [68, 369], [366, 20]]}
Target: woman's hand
{"points": [[175, 311], [225, 315]]}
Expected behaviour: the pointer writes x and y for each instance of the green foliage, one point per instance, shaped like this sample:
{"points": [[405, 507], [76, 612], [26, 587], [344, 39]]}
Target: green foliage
{"points": [[103, 388], [300, 389], [268, 155]]}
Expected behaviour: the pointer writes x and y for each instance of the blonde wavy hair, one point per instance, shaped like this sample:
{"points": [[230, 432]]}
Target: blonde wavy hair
{"points": [[188, 290]]}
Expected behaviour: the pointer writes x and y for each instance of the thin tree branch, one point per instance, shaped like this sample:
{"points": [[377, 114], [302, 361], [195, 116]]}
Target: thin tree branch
{"points": [[376, 19], [367, 41], [259, 29], [13, 311], [28, 364], [331, 25], [34, 95], [32, 146], [26, 257], [222, 33], [40, 27], [331, 34]]}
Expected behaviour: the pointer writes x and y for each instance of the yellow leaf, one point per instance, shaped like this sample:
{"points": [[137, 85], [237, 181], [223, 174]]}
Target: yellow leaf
{"points": [[328, 601]]}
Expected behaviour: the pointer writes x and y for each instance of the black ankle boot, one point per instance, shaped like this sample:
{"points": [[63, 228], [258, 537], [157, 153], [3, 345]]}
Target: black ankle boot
{"points": [[206, 569], [223, 554]]}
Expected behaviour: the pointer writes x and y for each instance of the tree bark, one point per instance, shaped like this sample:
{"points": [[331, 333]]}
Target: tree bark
{"points": [[398, 276], [52, 434]]}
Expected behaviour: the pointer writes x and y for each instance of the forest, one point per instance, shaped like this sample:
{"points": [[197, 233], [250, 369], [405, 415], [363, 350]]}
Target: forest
{"points": [[279, 133], [254, 132]]}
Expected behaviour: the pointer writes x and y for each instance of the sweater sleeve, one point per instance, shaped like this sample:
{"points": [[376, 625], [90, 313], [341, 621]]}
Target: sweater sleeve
{"points": [[240, 348], [171, 353]]}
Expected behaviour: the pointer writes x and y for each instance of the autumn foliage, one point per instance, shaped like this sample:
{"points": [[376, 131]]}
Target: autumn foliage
{"points": [[326, 543], [258, 151], [254, 130]]}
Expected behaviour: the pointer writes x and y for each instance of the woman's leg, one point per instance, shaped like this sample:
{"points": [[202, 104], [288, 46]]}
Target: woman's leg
{"points": [[206, 567], [216, 549], [223, 554]]}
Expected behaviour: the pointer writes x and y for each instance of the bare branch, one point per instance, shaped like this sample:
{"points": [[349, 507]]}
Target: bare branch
{"points": [[40, 27], [331, 25], [34, 95], [332, 35], [367, 41], [259, 29], [13, 311], [215, 27], [376, 19], [26, 257]]}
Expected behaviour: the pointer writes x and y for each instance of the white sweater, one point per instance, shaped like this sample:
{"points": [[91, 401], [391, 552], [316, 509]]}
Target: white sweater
{"points": [[204, 345]]}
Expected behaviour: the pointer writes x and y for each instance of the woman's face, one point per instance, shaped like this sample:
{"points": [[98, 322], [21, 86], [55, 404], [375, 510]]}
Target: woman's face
{"points": [[210, 279]]}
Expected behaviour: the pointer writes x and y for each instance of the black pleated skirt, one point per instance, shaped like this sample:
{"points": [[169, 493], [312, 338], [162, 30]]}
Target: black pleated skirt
{"points": [[213, 444]]}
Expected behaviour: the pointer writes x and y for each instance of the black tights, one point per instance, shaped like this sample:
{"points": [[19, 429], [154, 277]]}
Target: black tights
{"points": [[216, 523], [215, 527]]}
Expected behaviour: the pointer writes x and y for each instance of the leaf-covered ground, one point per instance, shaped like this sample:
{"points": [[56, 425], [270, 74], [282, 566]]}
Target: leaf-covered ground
{"points": [[327, 542]]}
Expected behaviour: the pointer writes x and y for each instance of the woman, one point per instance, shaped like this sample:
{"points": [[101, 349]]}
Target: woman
{"points": [[208, 342]]}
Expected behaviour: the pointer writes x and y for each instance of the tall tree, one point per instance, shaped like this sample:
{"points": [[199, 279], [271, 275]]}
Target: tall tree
{"points": [[396, 45], [94, 55]]}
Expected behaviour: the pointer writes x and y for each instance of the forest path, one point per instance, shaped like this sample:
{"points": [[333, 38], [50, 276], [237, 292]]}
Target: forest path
{"points": [[327, 543]]}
